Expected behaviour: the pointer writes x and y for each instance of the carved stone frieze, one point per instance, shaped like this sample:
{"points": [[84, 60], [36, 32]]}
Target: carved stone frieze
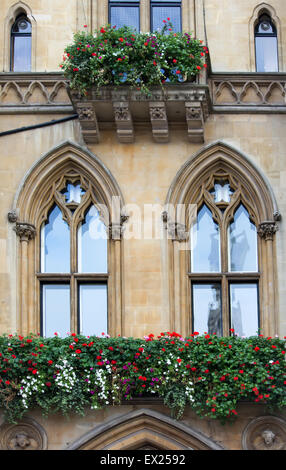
{"points": [[25, 231], [265, 433], [267, 230], [26, 435]]}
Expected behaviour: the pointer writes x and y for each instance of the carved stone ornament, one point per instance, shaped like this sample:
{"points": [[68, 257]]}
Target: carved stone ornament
{"points": [[86, 114], [25, 231], [265, 433], [12, 216], [26, 435], [267, 230]]}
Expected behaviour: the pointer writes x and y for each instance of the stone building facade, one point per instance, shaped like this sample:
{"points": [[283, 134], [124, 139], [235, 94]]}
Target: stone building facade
{"points": [[150, 155]]}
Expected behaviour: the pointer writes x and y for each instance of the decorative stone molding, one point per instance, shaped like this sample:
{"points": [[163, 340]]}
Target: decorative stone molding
{"points": [[265, 433], [127, 109], [25, 231], [123, 121], [26, 435], [34, 92], [248, 92], [267, 230]]}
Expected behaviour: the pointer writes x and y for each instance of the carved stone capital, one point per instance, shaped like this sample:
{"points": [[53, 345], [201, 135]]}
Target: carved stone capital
{"points": [[26, 435], [267, 229], [265, 433], [177, 231], [25, 231]]}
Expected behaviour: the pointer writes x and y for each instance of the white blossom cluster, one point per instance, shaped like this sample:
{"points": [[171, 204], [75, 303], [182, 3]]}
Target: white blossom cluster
{"points": [[66, 378], [29, 387], [190, 392]]}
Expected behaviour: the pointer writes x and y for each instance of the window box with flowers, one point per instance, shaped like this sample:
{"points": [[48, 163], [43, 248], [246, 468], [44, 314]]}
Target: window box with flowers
{"points": [[208, 373], [120, 65]]}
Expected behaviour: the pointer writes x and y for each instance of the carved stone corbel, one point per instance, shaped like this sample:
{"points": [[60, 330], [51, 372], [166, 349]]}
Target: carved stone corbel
{"points": [[195, 122], [123, 121], [25, 231], [12, 216], [159, 121], [88, 121], [267, 229]]}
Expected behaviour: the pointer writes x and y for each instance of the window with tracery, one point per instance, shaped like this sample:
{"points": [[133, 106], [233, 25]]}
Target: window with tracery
{"points": [[224, 267], [73, 273]]}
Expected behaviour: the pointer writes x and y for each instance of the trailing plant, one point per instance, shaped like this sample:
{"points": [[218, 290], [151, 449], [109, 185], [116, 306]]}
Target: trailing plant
{"points": [[208, 373], [113, 56]]}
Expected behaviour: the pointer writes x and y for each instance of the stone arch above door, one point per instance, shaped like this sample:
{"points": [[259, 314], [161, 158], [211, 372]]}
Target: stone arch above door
{"points": [[144, 429]]}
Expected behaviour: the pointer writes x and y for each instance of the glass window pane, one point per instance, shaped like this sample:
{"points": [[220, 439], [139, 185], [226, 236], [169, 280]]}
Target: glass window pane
{"points": [[55, 309], [207, 308], [160, 13], [242, 243], [125, 16], [244, 309], [205, 243], [55, 240], [266, 54], [92, 244], [21, 54], [93, 309]]}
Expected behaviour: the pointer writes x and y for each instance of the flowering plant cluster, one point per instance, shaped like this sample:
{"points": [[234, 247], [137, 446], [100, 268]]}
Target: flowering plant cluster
{"points": [[113, 56], [208, 373]]}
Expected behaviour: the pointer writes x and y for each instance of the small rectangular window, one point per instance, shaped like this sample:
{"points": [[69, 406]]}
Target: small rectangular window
{"points": [[244, 308], [55, 309], [126, 13], [162, 10]]}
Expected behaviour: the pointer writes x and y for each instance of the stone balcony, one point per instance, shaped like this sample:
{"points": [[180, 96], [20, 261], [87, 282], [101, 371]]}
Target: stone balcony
{"points": [[125, 110]]}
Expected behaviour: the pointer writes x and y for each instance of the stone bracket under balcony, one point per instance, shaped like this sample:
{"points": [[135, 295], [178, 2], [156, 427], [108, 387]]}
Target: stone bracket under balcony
{"points": [[185, 106]]}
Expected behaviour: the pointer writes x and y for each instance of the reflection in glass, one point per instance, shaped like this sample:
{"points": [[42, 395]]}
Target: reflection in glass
{"points": [[55, 240], [242, 242], [21, 45], [92, 244], [162, 12], [207, 308], [222, 192], [93, 309], [244, 308], [205, 243], [56, 309], [124, 15]]}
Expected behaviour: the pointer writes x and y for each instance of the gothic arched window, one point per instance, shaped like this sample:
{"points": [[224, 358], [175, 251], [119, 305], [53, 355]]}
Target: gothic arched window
{"points": [[266, 45], [21, 45]]}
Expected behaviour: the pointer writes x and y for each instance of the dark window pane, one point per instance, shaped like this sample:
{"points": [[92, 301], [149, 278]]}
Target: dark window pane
{"points": [[244, 308], [160, 13], [207, 308], [125, 15], [55, 244], [93, 309], [55, 309]]}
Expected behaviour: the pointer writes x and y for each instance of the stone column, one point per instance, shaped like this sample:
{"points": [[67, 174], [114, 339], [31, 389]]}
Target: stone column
{"points": [[25, 232]]}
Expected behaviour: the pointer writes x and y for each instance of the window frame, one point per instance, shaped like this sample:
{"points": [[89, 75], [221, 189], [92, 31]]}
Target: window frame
{"points": [[12, 42], [135, 3], [154, 3], [265, 35]]}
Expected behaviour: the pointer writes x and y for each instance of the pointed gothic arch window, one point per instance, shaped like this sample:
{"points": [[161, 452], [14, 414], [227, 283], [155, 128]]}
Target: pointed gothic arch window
{"points": [[21, 44], [222, 254], [70, 246], [266, 45]]}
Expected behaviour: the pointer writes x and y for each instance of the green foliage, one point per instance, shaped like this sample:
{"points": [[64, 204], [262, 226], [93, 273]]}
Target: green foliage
{"points": [[211, 374], [121, 56]]}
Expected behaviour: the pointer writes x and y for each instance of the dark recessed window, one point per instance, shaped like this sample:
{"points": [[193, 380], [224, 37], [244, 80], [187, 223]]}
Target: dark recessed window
{"points": [[125, 13], [162, 10], [266, 45], [21, 43]]}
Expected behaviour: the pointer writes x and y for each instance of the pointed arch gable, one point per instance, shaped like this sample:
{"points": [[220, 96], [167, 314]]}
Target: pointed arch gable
{"points": [[140, 428]]}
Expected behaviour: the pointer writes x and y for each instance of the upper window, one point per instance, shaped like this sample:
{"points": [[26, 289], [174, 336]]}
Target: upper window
{"points": [[125, 13], [266, 49], [73, 261], [224, 271], [21, 43], [162, 10]]}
